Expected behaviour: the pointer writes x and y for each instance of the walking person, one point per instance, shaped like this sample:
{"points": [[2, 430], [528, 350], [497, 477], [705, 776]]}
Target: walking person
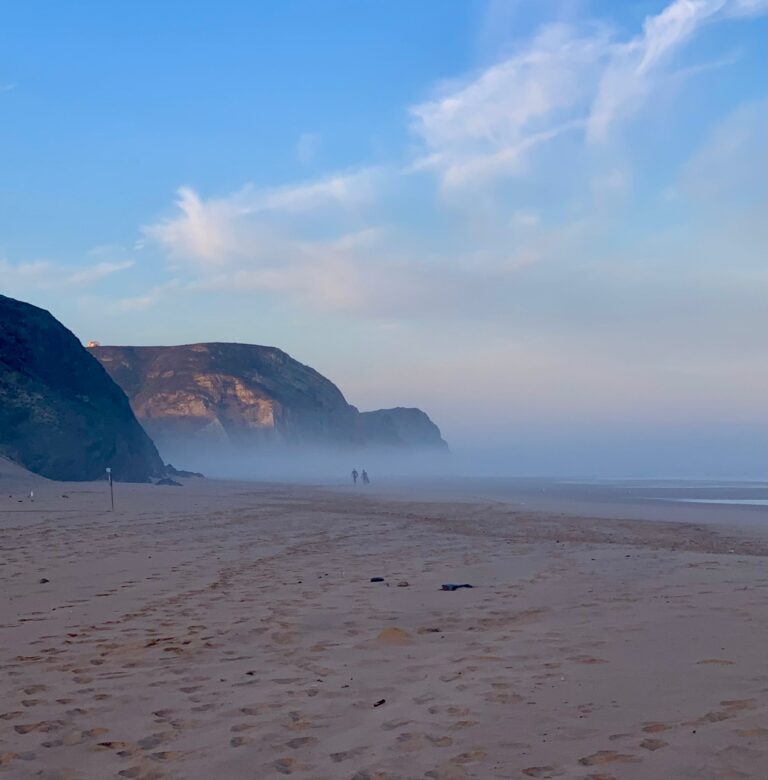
{"points": [[354, 476], [365, 479]]}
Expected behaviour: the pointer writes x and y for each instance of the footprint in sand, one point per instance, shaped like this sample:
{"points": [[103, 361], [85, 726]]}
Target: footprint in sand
{"points": [[470, 757], [254, 710], [395, 724], [131, 772], [122, 748], [542, 771], [440, 741], [298, 722], [738, 704], [287, 766], [607, 757], [462, 724], [756, 732], [240, 727], [166, 755], [11, 715], [345, 755], [655, 728], [409, 742], [653, 744], [300, 742], [155, 740], [44, 727]]}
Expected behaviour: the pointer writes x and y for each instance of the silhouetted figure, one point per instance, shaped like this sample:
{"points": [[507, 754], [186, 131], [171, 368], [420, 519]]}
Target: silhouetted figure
{"points": [[354, 476], [364, 477]]}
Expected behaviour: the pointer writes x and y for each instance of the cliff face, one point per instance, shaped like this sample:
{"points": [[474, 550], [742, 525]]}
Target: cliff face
{"points": [[61, 415], [234, 394], [243, 395], [401, 426]]}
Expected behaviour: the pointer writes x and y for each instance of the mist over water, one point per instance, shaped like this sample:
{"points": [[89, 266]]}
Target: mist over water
{"points": [[623, 452], [296, 463], [595, 454]]}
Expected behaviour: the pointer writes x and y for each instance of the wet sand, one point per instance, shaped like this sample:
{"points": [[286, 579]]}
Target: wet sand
{"points": [[227, 630]]}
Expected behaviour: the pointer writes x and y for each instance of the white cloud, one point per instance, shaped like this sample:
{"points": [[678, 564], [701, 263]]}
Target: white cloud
{"points": [[202, 232], [216, 231]]}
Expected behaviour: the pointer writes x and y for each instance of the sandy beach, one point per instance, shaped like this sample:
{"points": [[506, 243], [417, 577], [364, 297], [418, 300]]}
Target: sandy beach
{"points": [[232, 630]]}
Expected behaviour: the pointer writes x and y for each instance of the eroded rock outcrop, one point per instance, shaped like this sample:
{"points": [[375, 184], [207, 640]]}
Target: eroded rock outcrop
{"points": [[243, 395]]}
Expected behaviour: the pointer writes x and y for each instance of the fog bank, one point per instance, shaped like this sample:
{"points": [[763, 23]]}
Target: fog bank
{"points": [[600, 452]]}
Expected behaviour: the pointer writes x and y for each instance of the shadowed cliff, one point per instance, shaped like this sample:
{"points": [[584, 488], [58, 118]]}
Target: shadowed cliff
{"points": [[61, 415]]}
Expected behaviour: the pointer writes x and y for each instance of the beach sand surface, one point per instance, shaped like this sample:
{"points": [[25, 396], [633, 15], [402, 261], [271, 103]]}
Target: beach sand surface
{"points": [[231, 630]]}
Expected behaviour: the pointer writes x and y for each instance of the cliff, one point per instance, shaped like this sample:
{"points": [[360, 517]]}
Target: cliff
{"points": [[401, 427], [61, 415], [242, 395]]}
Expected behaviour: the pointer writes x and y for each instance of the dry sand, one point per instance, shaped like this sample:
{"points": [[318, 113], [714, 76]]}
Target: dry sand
{"points": [[223, 630]]}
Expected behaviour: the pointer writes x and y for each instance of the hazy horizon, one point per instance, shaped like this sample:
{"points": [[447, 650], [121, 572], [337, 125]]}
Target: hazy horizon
{"points": [[621, 457], [542, 223]]}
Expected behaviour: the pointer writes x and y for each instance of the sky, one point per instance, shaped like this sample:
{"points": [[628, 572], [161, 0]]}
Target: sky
{"points": [[544, 222]]}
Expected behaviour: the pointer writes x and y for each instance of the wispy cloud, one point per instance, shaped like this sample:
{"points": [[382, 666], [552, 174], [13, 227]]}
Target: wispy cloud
{"points": [[633, 66], [146, 300], [44, 274], [567, 79], [486, 127], [92, 274]]}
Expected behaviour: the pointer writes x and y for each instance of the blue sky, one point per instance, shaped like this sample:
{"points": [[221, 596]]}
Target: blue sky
{"points": [[518, 215]]}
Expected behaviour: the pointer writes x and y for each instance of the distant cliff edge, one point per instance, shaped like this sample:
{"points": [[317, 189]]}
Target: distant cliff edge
{"points": [[61, 415], [243, 396]]}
